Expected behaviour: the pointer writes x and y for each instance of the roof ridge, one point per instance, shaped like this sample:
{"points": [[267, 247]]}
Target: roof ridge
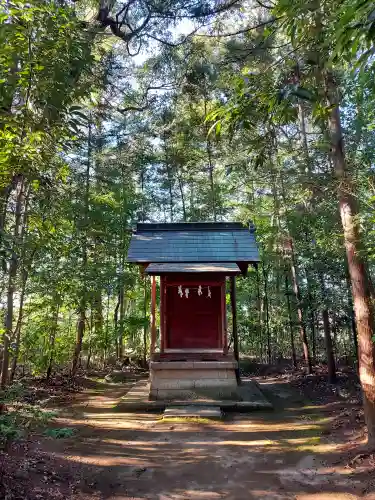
{"points": [[192, 226]]}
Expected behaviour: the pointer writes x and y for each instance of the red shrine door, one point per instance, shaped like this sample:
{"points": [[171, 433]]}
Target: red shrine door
{"points": [[196, 321]]}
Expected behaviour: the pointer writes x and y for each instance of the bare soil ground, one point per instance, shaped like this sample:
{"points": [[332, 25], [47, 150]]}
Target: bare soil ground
{"points": [[305, 449]]}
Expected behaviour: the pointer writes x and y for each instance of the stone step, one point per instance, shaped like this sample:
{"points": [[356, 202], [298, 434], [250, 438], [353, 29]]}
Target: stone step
{"points": [[192, 411]]}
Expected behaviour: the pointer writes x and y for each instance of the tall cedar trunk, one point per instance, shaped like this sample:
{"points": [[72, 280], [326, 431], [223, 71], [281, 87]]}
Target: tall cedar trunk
{"points": [[97, 313], [12, 273], [115, 321], [91, 328], [311, 318], [289, 250], [181, 188], [52, 339], [106, 339], [329, 348], [120, 337], [297, 293], [308, 170], [260, 313], [327, 335], [313, 322], [266, 307], [363, 307], [83, 299], [169, 177], [292, 346], [170, 194], [210, 163]]}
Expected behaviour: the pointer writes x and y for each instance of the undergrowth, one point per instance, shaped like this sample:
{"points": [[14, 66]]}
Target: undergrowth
{"points": [[18, 417]]}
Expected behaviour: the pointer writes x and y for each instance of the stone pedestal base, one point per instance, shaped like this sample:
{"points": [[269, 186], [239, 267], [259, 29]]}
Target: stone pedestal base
{"points": [[180, 379]]}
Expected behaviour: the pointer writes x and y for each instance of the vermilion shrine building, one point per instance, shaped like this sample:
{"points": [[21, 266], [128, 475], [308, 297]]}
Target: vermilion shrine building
{"points": [[193, 261]]}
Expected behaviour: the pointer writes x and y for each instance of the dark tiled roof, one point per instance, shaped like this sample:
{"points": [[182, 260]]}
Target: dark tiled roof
{"points": [[193, 242], [192, 267]]}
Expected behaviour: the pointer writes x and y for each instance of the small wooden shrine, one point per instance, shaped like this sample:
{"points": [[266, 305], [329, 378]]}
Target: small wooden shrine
{"points": [[193, 261]]}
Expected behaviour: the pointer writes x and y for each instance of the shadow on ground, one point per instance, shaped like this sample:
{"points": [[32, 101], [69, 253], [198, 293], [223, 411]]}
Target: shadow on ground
{"points": [[283, 454]]}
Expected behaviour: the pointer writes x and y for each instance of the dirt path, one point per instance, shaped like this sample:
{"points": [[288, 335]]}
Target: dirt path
{"points": [[278, 455]]}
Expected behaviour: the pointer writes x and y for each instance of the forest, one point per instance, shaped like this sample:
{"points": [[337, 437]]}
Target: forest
{"points": [[118, 112]]}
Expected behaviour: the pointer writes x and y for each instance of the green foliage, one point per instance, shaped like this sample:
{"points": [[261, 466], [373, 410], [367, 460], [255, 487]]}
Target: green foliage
{"points": [[59, 433], [217, 128]]}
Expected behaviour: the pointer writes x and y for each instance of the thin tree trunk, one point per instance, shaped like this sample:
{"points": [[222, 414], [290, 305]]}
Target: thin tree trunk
{"points": [[269, 353], [297, 293], [327, 335], [18, 329], [210, 164], [55, 319], [181, 188], [115, 321], [260, 314], [106, 330], [146, 323], [311, 318], [121, 323], [90, 338], [357, 270], [171, 214], [313, 334], [12, 273], [83, 300], [292, 346], [329, 348], [25, 274]]}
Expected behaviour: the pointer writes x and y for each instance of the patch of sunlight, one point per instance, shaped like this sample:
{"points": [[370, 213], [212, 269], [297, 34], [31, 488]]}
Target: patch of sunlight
{"points": [[312, 444], [285, 426], [192, 495], [260, 442], [106, 460], [326, 496], [91, 421], [189, 420]]}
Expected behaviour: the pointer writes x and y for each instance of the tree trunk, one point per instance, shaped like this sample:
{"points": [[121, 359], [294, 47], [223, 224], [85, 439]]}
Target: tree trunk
{"points": [[121, 323], [311, 318], [84, 230], [106, 340], [327, 335], [181, 187], [363, 307], [210, 164], [79, 337], [91, 330], [55, 319], [260, 315], [269, 353], [293, 349], [18, 328], [115, 321], [351, 315], [12, 273], [297, 293], [329, 348]]}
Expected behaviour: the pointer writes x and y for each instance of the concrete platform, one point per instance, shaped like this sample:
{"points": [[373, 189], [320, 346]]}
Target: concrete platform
{"points": [[247, 397], [192, 411], [174, 380]]}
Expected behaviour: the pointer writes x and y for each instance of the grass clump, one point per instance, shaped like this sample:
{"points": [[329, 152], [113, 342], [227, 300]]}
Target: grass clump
{"points": [[59, 433]]}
